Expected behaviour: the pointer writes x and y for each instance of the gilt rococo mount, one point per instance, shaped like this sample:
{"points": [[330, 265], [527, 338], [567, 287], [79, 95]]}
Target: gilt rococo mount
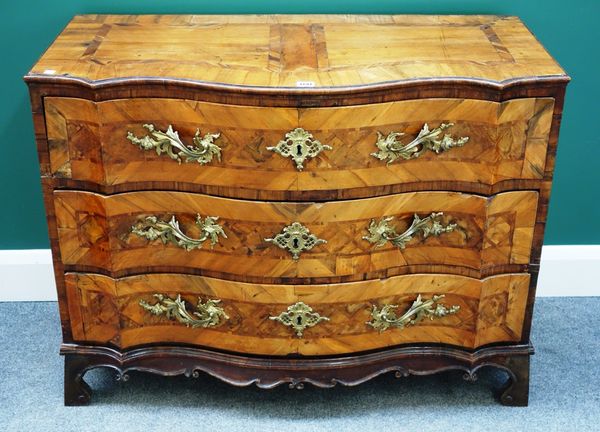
{"points": [[307, 199]]}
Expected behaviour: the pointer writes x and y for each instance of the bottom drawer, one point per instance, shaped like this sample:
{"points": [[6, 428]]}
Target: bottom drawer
{"points": [[254, 318]]}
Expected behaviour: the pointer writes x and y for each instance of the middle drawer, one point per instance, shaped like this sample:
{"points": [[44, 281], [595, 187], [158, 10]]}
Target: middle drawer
{"points": [[157, 231]]}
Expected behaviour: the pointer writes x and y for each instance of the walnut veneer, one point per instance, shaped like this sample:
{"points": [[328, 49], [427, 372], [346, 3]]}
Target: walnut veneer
{"points": [[508, 142], [492, 310], [296, 199], [491, 235]]}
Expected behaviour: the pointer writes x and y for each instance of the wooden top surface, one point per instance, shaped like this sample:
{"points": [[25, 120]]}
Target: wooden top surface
{"points": [[283, 50]]}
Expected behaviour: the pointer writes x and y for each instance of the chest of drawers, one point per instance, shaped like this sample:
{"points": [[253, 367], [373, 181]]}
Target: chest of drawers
{"points": [[296, 199]]}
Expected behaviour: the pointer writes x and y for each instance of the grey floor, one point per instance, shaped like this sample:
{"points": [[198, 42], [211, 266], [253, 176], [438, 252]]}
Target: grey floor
{"points": [[565, 389]]}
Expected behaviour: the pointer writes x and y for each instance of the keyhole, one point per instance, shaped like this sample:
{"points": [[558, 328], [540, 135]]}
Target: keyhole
{"points": [[299, 320], [295, 243], [299, 150]]}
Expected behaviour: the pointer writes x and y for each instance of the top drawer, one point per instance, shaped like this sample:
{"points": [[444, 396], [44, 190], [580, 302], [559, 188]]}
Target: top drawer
{"points": [[103, 143]]}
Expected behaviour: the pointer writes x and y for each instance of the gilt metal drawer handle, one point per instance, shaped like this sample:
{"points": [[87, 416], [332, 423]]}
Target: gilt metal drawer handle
{"points": [[384, 318], [299, 145], [208, 314], [390, 149], [168, 142], [296, 238], [380, 232], [299, 317], [151, 228]]}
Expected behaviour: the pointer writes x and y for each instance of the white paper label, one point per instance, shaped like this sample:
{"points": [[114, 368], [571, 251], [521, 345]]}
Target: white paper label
{"points": [[305, 83]]}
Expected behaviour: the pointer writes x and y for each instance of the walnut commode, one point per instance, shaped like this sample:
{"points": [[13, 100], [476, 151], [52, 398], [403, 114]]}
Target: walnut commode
{"points": [[296, 199]]}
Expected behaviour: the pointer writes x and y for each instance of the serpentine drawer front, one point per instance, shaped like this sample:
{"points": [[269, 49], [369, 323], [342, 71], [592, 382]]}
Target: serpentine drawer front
{"points": [[296, 199], [128, 233], [469, 141], [486, 311]]}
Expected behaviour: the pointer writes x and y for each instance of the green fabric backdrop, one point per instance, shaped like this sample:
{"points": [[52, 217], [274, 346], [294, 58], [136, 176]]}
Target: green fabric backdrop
{"points": [[569, 30]]}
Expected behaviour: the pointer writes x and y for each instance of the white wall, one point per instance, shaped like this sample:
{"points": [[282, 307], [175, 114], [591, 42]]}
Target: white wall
{"points": [[26, 275]]}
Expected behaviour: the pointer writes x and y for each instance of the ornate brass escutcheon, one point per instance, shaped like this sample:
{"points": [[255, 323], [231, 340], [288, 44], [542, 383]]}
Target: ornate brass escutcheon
{"points": [[299, 316], [384, 318], [207, 314], [299, 145], [390, 149], [296, 238], [152, 228], [380, 232], [168, 142]]}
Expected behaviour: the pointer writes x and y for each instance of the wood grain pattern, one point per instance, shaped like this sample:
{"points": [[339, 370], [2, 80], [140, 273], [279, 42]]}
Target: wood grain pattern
{"points": [[87, 142], [108, 74], [94, 232], [279, 50], [106, 310]]}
